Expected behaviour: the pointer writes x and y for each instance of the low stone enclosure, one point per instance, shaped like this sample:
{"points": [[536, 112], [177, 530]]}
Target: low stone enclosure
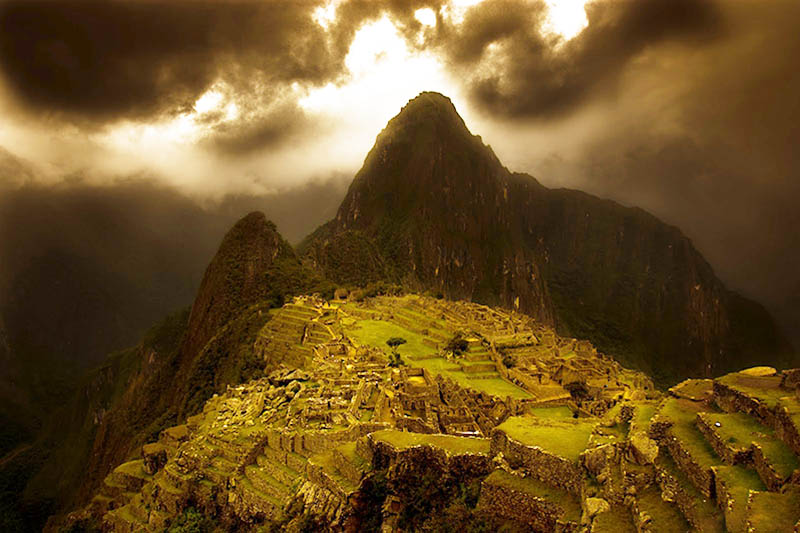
{"points": [[317, 441]]}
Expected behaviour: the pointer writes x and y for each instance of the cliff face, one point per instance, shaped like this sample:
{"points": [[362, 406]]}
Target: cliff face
{"points": [[434, 208], [430, 208]]}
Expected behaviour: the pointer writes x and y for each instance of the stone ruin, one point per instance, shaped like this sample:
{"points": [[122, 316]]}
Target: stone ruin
{"points": [[309, 439]]}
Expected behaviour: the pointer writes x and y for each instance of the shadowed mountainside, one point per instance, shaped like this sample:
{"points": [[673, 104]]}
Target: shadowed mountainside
{"points": [[432, 207], [171, 373]]}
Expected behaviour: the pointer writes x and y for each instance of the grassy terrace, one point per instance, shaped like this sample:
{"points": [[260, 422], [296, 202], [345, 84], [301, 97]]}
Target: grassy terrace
{"points": [[740, 430], [740, 481], [766, 389], [377, 332], [642, 415], [693, 389], [560, 412], [683, 414], [704, 510], [665, 515], [133, 469], [618, 520], [528, 485], [348, 450], [564, 438], [773, 512], [453, 445], [328, 464]]}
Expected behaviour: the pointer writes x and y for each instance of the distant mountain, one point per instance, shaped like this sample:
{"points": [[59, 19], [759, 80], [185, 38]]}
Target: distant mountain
{"points": [[434, 208], [86, 270], [179, 364]]}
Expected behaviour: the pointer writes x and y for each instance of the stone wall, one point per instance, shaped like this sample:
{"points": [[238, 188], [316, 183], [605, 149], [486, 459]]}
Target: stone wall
{"points": [[545, 466], [778, 418], [702, 478], [540, 515], [728, 453]]}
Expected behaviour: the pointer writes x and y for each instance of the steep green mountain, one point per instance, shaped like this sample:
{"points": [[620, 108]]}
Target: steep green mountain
{"points": [[170, 374], [86, 269], [432, 207]]}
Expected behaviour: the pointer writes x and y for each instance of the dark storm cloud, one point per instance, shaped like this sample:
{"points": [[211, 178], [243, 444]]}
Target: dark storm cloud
{"points": [[527, 75], [99, 61], [705, 137]]}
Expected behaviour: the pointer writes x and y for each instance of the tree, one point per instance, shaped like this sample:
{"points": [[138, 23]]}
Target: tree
{"points": [[394, 343], [457, 345]]}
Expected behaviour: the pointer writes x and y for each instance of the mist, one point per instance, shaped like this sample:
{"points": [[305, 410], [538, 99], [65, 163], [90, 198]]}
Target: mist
{"points": [[688, 109]]}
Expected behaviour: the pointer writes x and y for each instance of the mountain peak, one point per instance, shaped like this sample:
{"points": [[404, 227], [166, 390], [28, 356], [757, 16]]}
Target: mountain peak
{"points": [[235, 277], [429, 103], [255, 220], [426, 146], [431, 111], [433, 207]]}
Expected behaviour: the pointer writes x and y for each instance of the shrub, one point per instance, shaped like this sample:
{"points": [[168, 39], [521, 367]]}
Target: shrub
{"points": [[357, 295], [192, 521], [341, 293], [457, 345]]}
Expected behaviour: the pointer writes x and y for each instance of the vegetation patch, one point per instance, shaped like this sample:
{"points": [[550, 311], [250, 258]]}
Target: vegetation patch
{"points": [[738, 482], [740, 430], [564, 438]]}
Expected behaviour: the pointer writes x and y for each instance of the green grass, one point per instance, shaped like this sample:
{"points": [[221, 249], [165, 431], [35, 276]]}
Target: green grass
{"points": [[617, 520], [133, 469], [565, 438], [329, 466], [774, 512], [424, 320], [740, 481], [453, 445], [683, 414], [765, 389], [694, 388], [534, 487], [705, 512], [642, 415], [665, 515], [125, 513], [741, 430], [377, 332], [348, 450], [559, 412]]}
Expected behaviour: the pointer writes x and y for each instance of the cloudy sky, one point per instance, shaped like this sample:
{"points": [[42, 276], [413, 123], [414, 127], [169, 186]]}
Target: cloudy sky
{"points": [[687, 108]]}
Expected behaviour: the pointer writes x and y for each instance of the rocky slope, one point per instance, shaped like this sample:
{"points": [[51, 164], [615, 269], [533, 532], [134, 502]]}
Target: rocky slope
{"points": [[432, 207]]}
